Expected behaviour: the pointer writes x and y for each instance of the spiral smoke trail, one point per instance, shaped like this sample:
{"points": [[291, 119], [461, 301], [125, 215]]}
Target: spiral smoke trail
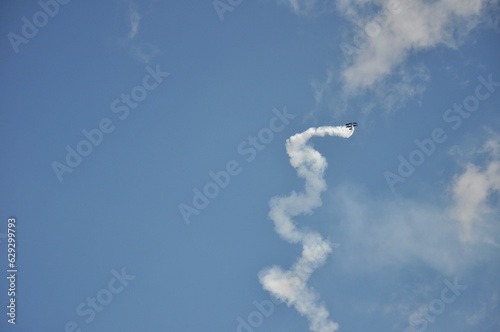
{"points": [[291, 286]]}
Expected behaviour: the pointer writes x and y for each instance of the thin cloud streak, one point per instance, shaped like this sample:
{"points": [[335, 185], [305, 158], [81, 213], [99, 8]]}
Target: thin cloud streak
{"points": [[140, 50], [135, 20], [300, 6]]}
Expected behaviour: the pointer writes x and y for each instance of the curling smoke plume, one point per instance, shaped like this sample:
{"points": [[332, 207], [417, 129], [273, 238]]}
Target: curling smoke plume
{"points": [[291, 286]]}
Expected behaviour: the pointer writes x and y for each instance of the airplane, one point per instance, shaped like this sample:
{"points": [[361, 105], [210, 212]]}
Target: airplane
{"points": [[351, 125]]}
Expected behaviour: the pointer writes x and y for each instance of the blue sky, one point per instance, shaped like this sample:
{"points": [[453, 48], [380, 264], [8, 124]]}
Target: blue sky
{"points": [[116, 115]]}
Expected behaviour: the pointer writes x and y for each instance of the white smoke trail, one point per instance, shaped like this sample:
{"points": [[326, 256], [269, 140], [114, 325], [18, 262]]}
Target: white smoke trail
{"points": [[291, 286]]}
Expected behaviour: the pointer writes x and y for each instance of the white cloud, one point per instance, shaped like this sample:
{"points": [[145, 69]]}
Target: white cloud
{"points": [[448, 235], [385, 34], [404, 27], [471, 191]]}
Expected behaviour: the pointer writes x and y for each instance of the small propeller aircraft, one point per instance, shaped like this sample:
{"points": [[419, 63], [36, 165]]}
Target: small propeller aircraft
{"points": [[351, 125]]}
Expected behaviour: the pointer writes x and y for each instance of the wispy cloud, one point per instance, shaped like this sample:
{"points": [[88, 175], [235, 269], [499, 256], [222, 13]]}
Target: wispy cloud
{"points": [[143, 52], [384, 34], [389, 233], [140, 50], [448, 235], [320, 88], [471, 191], [408, 84], [134, 19], [403, 86], [300, 6], [416, 26], [487, 309]]}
